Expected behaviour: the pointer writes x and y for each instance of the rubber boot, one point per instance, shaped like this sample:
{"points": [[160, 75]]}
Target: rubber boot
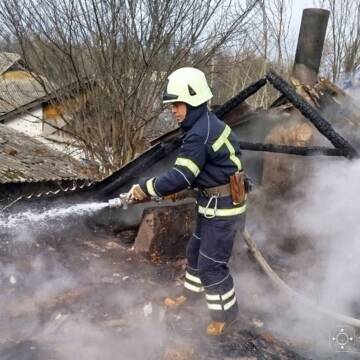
{"points": [[174, 303], [215, 328]]}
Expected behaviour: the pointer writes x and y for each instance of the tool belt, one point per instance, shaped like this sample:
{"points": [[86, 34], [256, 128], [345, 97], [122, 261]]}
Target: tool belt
{"points": [[219, 191], [237, 189]]}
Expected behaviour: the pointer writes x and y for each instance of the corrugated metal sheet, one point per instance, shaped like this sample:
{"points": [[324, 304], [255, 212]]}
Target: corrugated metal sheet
{"points": [[24, 159], [18, 88], [7, 60]]}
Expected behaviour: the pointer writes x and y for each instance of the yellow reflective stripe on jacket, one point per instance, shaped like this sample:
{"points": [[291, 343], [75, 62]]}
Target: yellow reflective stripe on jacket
{"points": [[233, 157], [223, 140], [188, 164], [221, 212], [150, 187]]}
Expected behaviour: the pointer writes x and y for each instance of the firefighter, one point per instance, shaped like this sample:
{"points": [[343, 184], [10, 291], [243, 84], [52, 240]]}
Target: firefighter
{"points": [[208, 160]]}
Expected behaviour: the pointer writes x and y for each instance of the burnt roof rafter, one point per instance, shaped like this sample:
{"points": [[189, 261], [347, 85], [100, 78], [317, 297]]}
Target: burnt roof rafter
{"points": [[321, 124], [342, 146], [171, 141]]}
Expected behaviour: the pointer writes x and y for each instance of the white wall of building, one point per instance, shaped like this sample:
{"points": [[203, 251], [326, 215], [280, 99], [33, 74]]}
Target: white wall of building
{"points": [[31, 124]]}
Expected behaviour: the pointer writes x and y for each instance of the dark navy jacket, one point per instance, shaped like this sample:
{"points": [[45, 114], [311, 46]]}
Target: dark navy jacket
{"points": [[209, 154]]}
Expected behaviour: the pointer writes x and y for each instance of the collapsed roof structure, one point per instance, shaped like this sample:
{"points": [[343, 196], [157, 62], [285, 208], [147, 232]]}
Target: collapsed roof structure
{"points": [[27, 165]]}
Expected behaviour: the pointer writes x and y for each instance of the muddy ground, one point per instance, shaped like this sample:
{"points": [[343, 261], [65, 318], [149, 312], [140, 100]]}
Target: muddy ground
{"points": [[77, 292]]}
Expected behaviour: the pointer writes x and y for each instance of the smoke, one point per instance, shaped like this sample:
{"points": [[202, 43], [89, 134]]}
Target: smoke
{"points": [[75, 296], [329, 215], [68, 292], [322, 265]]}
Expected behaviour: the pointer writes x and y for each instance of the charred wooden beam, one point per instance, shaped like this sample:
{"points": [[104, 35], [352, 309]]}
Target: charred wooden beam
{"points": [[293, 150], [134, 168], [240, 97], [312, 114], [310, 45]]}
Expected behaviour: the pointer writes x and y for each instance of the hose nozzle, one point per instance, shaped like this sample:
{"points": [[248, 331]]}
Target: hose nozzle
{"points": [[119, 202]]}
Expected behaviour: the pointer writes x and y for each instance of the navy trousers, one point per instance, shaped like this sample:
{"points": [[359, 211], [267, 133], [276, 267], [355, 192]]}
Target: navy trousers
{"points": [[208, 253]]}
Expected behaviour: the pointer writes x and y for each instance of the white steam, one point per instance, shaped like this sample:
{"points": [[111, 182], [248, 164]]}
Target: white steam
{"points": [[39, 219], [329, 215], [74, 298], [324, 266]]}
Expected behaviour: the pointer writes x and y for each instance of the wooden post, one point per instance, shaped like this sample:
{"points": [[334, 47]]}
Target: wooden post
{"points": [[310, 45]]}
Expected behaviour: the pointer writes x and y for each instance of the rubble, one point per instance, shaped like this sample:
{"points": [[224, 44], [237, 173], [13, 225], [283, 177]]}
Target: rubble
{"points": [[179, 352], [27, 307], [161, 237], [123, 307]]}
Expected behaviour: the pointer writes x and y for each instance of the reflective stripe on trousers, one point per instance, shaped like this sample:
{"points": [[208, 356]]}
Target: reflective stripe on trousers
{"points": [[208, 253], [221, 302], [193, 283]]}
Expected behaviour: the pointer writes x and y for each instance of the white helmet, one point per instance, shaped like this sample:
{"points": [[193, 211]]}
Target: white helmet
{"points": [[187, 85]]}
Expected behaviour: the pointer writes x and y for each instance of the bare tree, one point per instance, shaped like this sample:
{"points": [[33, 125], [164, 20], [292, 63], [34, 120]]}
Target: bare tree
{"points": [[342, 55], [108, 60], [278, 13], [264, 44]]}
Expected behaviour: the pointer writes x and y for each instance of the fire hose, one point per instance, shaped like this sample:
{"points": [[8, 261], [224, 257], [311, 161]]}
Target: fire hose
{"points": [[281, 285]]}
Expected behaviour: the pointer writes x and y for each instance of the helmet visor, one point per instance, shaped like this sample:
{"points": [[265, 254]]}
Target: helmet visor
{"points": [[169, 97]]}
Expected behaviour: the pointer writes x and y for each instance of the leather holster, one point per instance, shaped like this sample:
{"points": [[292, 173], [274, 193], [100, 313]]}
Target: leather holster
{"points": [[237, 187]]}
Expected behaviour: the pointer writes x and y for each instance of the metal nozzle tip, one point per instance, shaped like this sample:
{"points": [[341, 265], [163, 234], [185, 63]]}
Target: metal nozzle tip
{"points": [[115, 202]]}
